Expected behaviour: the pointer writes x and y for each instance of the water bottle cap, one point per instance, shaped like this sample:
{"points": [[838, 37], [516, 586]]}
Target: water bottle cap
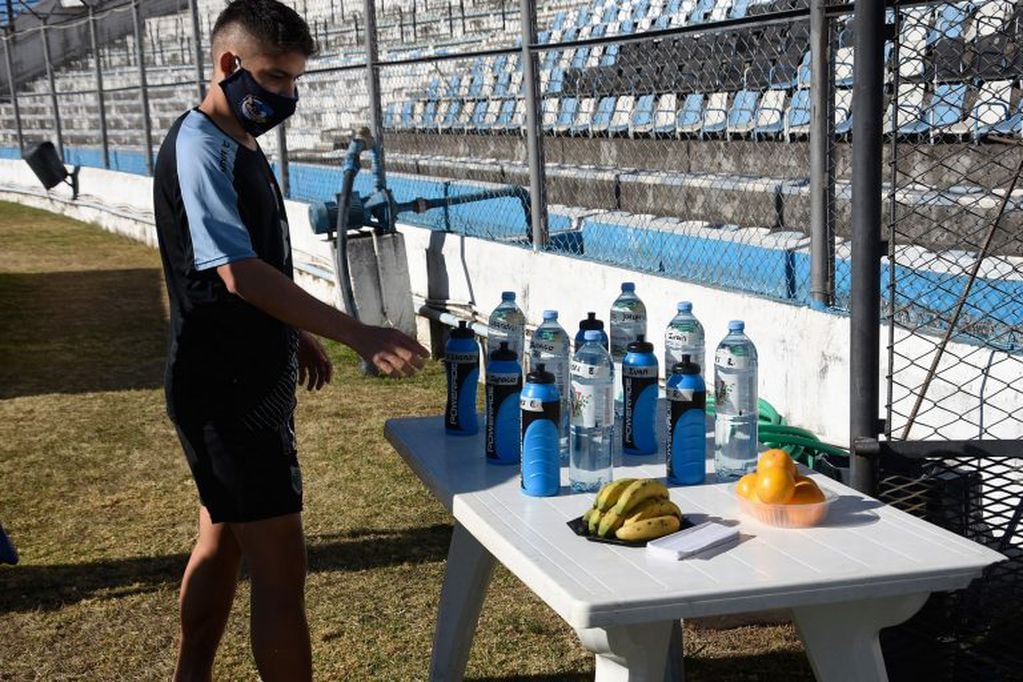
{"points": [[550, 315], [640, 345], [628, 286], [540, 375], [684, 307], [736, 326], [504, 353], [593, 336], [687, 366], [462, 331], [507, 295], [591, 322]]}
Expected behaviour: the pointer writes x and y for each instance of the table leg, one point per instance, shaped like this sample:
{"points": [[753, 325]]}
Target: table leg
{"points": [[629, 653], [841, 639], [466, 577], [674, 671]]}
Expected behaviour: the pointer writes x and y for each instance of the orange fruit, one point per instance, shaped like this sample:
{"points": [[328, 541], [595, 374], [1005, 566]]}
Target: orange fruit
{"points": [[776, 457], [775, 485], [806, 492], [747, 486]]}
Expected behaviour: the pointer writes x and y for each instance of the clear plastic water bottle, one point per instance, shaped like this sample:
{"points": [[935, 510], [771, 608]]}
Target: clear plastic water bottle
{"points": [[592, 424], [735, 399], [684, 336], [550, 346], [628, 322], [507, 323]]}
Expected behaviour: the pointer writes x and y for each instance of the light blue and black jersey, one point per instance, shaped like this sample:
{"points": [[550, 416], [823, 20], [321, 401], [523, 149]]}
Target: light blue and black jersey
{"points": [[217, 202]]}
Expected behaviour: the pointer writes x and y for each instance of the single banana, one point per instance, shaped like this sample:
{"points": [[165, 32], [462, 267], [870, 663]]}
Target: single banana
{"points": [[609, 523], [586, 516], [594, 521], [638, 491], [651, 508], [610, 493], [648, 529]]}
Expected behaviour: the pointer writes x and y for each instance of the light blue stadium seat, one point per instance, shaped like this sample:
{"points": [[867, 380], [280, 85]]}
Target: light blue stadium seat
{"points": [[672, 7], [476, 85], [950, 20], [433, 90], [610, 56], [451, 116], [700, 12], [504, 118], [771, 110], [662, 22], [429, 119], [991, 111], [583, 17], [559, 20], [797, 120], [602, 116], [581, 55], [628, 26], [912, 110], [598, 31], [742, 113], [690, 115], [453, 86], [390, 114], [500, 63], [549, 59], [566, 115], [557, 81], [407, 109], [715, 114], [610, 14], [843, 111], [642, 116], [946, 106], [803, 73], [739, 9], [502, 85]]}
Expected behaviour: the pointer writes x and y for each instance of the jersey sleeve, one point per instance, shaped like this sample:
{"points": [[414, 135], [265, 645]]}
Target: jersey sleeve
{"points": [[205, 165]]}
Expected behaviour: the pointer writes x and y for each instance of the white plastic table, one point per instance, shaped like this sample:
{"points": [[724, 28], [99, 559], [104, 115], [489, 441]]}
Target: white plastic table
{"points": [[868, 566]]}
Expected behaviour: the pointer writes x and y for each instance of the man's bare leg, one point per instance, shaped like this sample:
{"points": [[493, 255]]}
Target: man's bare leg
{"points": [[207, 591], [274, 551]]}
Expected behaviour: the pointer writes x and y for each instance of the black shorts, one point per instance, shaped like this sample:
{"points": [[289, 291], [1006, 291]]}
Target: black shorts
{"points": [[243, 474]]}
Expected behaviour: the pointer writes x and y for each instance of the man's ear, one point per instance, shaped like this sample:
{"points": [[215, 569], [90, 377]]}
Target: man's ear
{"points": [[226, 62]]}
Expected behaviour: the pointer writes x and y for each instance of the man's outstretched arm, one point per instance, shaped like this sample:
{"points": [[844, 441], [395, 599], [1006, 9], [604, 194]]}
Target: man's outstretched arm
{"points": [[262, 285]]}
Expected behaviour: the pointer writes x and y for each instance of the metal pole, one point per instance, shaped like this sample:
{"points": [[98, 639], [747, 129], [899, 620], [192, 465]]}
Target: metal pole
{"points": [[415, 27], [54, 109], [451, 19], [14, 93], [373, 82], [200, 75], [401, 25], [140, 56], [94, 45], [864, 366], [461, 10], [355, 20], [822, 180], [534, 135], [282, 155]]}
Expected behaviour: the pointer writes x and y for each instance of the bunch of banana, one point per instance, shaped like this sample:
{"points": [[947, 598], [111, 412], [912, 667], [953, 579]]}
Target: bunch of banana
{"points": [[633, 509]]}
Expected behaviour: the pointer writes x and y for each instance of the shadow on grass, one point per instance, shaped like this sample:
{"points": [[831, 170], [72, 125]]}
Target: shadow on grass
{"points": [[81, 331], [49, 588], [567, 677]]}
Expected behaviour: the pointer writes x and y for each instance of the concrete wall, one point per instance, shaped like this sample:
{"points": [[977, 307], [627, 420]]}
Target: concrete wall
{"points": [[804, 354]]}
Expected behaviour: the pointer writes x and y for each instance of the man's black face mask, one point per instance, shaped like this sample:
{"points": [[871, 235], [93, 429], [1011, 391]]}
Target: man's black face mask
{"points": [[256, 108]]}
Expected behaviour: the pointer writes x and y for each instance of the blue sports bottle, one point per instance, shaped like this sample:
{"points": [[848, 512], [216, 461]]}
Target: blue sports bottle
{"points": [[639, 398], [686, 446], [462, 366], [541, 451], [590, 323], [504, 383]]}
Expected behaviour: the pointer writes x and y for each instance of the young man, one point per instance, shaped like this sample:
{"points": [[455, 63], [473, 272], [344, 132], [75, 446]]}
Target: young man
{"points": [[240, 339]]}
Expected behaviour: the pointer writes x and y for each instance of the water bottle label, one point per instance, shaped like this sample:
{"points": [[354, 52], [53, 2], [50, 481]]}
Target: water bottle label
{"points": [[618, 316], [590, 409], [495, 379], [540, 347], [460, 414], [461, 357], [501, 325], [639, 371], [677, 336], [533, 404], [679, 394], [726, 390], [588, 371], [727, 357]]}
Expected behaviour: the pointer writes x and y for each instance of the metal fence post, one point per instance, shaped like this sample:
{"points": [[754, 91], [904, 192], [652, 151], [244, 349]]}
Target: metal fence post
{"points": [[822, 179], [140, 56], [865, 309], [200, 75], [282, 159], [415, 28], [94, 46], [373, 82], [461, 10], [451, 19], [534, 135], [14, 92], [401, 25], [54, 108]]}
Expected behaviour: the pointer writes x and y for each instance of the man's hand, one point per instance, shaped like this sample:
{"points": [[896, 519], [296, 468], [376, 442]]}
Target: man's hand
{"points": [[313, 362], [390, 351]]}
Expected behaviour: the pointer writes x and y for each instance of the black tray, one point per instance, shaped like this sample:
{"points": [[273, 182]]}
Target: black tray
{"points": [[580, 528]]}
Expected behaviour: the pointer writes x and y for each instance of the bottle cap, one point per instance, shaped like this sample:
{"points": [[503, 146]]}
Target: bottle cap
{"points": [[687, 366], [591, 322], [684, 307], [504, 353], [593, 336], [550, 315], [736, 326], [640, 345], [462, 331], [628, 286], [540, 375], [507, 295]]}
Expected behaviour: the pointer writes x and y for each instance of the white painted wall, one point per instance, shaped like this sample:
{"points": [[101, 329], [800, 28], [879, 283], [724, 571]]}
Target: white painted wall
{"points": [[804, 354]]}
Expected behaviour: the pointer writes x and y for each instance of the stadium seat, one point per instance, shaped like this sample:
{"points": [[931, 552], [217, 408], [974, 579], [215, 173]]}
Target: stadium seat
{"points": [[602, 115], [739, 9], [580, 58], [797, 119], [947, 57], [804, 73], [451, 115], [501, 87], [949, 21], [622, 115], [559, 20], [916, 24], [844, 67], [506, 114], [690, 116], [566, 115], [642, 121], [428, 121], [771, 113], [582, 17], [991, 112], [720, 10], [665, 115], [742, 114], [407, 120], [549, 113], [843, 111], [390, 115], [946, 108], [610, 55], [479, 115], [700, 12], [715, 114], [911, 111], [583, 117]]}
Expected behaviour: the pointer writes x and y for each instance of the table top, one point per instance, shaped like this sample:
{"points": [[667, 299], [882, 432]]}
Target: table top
{"points": [[864, 549]]}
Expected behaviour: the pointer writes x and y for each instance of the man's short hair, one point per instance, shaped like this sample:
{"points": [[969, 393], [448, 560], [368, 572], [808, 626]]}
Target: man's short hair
{"points": [[276, 28]]}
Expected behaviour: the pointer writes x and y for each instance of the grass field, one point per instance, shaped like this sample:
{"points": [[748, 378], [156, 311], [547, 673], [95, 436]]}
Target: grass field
{"points": [[95, 492]]}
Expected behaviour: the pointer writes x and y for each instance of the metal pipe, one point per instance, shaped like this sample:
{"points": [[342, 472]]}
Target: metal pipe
{"points": [[534, 135], [14, 94], [54, 108], [415, 27], [200, 75], [865, 313], [461, 10], [104, 137], [282, 159], [376, 127], [822, 178], [451, 320], [140, 56]]}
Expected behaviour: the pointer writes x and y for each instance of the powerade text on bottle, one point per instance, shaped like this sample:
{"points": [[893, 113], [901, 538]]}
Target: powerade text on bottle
{"points": [[686, 446], [504, 383], [591, 434], [462, 366], [549, 345], [684, 336], [735, 398], [628, 322], [590, 323], [639, 386], [507, 323], [541, 414]]}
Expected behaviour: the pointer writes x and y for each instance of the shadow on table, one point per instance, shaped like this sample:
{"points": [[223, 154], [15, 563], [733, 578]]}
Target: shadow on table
{"points": [[851, 510]]}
